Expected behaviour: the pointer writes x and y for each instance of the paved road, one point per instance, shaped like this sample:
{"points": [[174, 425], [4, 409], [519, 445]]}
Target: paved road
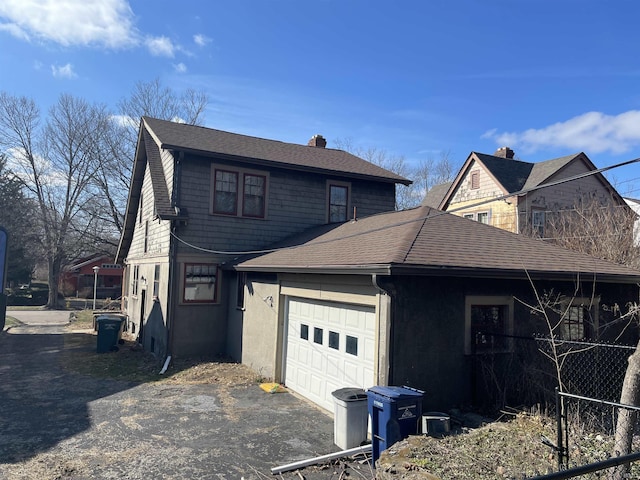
{"points": [[56, 424], [41, 321]]}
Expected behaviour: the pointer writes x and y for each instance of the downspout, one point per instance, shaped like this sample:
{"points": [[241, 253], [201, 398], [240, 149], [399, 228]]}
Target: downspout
{"points": [[173, 262], [384, 351]]}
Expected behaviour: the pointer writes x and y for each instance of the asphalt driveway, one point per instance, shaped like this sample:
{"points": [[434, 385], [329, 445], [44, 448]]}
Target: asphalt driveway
{"points": [[56, 424]]}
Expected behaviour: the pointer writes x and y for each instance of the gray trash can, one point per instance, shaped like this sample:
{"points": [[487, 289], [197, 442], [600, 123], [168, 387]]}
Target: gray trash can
{"points": [[351, 417]]}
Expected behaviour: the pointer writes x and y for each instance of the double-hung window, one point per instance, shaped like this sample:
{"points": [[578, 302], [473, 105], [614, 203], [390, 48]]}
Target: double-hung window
{"points": [[239, 192], [538, 221], [338, 200]]}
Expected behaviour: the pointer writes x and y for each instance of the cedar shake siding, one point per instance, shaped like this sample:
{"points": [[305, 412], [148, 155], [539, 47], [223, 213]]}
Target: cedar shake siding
{"points": [[180, 294]]}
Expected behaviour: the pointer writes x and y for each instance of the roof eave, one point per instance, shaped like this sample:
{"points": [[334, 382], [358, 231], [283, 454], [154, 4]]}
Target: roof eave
{"points": [[443, 271], [288, 166]]}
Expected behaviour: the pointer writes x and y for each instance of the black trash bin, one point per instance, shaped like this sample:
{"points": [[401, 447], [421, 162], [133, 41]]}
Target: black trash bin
{"points": [[395, 413], [110, 329]]}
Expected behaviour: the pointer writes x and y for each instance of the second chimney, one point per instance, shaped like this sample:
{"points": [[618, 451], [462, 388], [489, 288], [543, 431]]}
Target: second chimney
{"points": [[317, 141], [504, 152]]}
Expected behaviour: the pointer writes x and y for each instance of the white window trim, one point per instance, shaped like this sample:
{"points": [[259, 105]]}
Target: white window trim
{"points": [[471, 300], [534, 225], [337, 183], [241, 172], [474, 215]]}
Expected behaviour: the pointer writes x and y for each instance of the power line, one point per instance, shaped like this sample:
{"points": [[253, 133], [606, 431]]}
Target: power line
{"points": [[420, 218]]}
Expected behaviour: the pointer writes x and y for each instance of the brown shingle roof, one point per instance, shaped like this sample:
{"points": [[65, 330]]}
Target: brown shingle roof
{"points": [[208, 141], [436, 194], [425, 240]]}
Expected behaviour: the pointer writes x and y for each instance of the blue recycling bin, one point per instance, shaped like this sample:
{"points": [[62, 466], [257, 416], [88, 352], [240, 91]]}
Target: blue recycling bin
{"points": [[395, 414]]}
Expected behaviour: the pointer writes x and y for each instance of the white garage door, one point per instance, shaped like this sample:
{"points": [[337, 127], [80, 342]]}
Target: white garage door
{"points": [[328, 346]]}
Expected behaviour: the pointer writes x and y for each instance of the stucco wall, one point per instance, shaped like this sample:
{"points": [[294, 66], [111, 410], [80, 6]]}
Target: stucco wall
{"points": [[428, 332]]}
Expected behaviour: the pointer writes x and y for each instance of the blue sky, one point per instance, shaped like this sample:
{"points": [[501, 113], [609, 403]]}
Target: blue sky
{"points": [[415, 78]]}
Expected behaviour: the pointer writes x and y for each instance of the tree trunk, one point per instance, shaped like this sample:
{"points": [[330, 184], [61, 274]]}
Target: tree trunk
{"points": [[627, 418], [53, 279]]}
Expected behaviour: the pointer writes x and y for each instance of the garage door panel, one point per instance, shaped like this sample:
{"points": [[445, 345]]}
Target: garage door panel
{"points": [[329, 360]]}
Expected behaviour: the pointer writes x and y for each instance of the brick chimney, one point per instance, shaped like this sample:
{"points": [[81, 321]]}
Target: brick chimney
{"points": [[504, 152], [317, 141]]}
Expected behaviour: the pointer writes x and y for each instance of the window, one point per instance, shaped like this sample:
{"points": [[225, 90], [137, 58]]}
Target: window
{"points": [[242, 281], [225, 196], [317, 335], [200, 285], [140, 209], [156, 281], [334, 340], [239, 193], [135, 280], [475, 180], [482, 217], [352, 345], [304, 331], [538, 221], [580, 318], [488, 324], [338, 202], [253, 200], [146, 236]]}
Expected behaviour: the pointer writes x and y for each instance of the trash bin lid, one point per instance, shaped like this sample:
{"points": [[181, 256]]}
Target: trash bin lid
{"points": [[396, 392], [349, 394]]}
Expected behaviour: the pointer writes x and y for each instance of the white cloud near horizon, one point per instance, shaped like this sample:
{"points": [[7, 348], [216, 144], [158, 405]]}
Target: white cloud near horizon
{"points": [[65, 71], [591, 132], [180, 67], [107, 23]]}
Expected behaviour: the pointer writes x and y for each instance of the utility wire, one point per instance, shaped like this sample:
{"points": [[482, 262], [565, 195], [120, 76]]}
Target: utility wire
{"points": [[421, 218]]}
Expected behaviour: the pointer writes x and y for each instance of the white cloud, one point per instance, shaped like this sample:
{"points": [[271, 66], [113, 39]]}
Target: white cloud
{"points": [[125, 121], [107, 23], [591, 132], [201, 40], [14, 30], [65, 71], [160, 46], [180, 67]]}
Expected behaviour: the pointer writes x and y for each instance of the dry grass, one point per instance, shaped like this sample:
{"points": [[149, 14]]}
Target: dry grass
{"points": [[510, 449], [131, 363]]}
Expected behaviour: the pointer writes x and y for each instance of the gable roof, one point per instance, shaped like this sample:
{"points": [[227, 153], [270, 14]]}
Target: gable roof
{"points": [[435, 195], [431, 242], [516, 176], [208, 141], [155, 134]]}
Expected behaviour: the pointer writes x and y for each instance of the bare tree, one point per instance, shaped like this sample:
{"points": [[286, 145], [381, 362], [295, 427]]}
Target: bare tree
{"points": [[57, 164], [118, 145], [427, 173], [594, 226]]}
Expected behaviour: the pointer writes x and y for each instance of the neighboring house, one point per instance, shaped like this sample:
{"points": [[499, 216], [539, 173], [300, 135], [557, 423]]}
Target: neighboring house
{"points": [[78, 278], [634, 204], [520, 204], [417, 297], [199, 197]]}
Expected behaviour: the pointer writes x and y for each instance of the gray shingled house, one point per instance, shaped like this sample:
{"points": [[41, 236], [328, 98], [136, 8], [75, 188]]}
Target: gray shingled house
{"points": [[198, 196], [417, 297], [507, 193]]}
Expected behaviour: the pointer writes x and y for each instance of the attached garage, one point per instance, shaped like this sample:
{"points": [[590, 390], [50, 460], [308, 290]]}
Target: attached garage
{"points": [[327, 346]]}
